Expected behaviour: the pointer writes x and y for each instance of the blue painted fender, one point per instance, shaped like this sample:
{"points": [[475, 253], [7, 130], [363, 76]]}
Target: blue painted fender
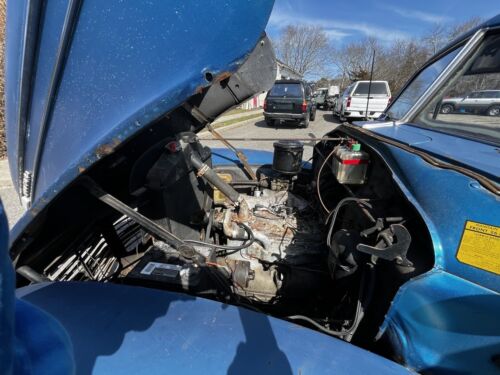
{"points": [[130, 330]]}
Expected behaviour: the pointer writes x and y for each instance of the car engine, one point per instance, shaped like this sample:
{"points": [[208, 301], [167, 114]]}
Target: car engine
{"points": [[285, 233], [315, 243]]}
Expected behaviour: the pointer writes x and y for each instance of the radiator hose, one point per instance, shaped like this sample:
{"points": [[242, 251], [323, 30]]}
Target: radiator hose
{"points": [[207, 173]]}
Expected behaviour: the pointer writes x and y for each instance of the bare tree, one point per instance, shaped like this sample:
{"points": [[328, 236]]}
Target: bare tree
{"points": [[440, 34], [354, 59], [436, 38], [395, 62], [458, 29], [304, 48], [400, 61]]}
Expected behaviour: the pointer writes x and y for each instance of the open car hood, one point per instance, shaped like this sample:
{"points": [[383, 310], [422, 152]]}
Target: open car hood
{"points": [[83, 76]]}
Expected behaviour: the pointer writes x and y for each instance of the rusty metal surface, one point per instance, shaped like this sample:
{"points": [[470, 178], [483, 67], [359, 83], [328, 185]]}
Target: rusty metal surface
{"points": [[279, 237]]}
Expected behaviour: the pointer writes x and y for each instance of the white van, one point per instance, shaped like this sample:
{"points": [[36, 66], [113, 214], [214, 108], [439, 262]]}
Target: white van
{"points": [[355, 98], [333, 90]]}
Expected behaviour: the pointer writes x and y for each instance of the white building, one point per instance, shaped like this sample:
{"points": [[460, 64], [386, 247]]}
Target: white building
{"points": [[283, 71]]}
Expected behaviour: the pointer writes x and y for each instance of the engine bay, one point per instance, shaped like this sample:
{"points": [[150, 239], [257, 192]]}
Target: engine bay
{"points": [[325, 244]]}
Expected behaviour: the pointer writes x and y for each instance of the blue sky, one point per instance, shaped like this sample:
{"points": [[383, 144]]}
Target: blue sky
{"points": [[349, 20]]}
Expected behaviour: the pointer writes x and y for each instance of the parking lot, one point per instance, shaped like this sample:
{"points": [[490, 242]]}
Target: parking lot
{"points": [[323, 123]]}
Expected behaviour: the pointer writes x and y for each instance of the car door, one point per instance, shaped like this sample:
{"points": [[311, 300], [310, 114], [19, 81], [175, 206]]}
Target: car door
{"points": [[342, 103], [484, 100], [469, 103]]}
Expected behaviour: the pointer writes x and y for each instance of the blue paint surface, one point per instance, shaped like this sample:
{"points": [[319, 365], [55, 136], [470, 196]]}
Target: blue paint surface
{"points": [[7, 284], [446, 200], [444, 324], [128, 63], [424, 319], [481, 157], [224, 156], [124, 329], [31, 341]]}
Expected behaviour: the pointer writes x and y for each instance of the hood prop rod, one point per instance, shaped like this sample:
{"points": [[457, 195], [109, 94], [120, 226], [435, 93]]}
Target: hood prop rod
{"points": [[240, 155], [187, 251]]}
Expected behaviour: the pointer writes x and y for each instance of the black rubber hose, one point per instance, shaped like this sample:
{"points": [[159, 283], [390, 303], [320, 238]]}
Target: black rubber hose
{"points": [[209, 174], [232, 249]]}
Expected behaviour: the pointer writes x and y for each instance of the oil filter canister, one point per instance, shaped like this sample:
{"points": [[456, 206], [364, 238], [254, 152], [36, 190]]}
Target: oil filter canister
{"points": [[287, 158]]}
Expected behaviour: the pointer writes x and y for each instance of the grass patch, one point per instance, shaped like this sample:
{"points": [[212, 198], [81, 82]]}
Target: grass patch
{"points": [[237, 111], [236, 120]]}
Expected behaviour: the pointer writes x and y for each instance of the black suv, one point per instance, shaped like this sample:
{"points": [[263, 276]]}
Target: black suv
{"points": [[291, 101]]}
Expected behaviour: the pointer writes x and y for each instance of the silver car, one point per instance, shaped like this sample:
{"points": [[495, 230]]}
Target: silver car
{"points": [[480, 102]]}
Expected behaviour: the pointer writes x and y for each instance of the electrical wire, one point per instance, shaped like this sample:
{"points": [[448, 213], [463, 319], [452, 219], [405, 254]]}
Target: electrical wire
{"points": [[363, 298], [316, 324], [248, 241], [335, 212], [317, 181]]}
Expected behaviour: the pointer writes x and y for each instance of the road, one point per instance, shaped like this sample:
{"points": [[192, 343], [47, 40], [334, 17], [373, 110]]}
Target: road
{"points": [[323, 123]]}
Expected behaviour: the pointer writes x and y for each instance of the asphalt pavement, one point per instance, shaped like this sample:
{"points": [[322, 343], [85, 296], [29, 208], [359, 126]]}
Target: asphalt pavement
{"points": [[255, 128], [324, 123]]}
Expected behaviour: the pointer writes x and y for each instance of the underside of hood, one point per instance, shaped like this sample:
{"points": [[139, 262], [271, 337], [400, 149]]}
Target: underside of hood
{"points": [[83, 76]]}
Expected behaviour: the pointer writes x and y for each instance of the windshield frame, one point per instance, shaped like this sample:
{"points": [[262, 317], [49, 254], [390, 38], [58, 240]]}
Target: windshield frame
{"points": [[468, 131], [468, 45]]}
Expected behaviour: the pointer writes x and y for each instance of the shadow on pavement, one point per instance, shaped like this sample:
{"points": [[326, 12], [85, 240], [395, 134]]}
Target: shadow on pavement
{"points": [[277, 125], [329, 117]]}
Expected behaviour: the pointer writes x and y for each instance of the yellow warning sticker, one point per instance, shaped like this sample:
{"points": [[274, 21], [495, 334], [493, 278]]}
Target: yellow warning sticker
{"points": [[480, 247]]}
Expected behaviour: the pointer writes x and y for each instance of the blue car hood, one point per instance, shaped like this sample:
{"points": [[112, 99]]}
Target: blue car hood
{"points": [[82, 76]]}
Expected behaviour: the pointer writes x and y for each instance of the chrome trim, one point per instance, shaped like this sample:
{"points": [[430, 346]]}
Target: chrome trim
{"points": [[28, 61], [454, 65]]}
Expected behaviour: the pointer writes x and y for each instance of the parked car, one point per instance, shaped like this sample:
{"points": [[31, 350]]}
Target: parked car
{"points": [[354, 100], [332, 97], [485, 102], [332, 101], [289, 101], [145, 251], [320, 98]]}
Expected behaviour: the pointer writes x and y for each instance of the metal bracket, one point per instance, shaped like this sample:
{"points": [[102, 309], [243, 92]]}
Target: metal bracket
{"points": [[393, 245]]}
